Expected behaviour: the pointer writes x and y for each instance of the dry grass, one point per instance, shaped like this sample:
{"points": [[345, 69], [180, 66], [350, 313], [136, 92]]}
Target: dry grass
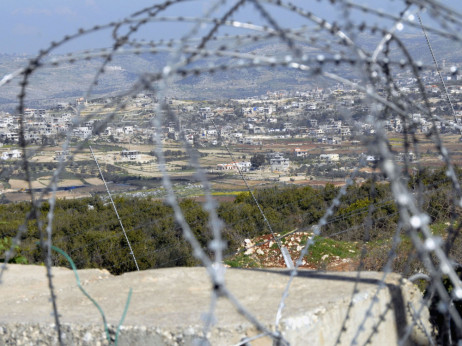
{"points": [[94, 181], [41, 183]]}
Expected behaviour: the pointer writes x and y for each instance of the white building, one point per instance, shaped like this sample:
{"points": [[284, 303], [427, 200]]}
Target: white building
{"points": [[13, 154], [131, 155], [128, 130], [62, 155], [301, 152], [82, 132], [279, 163], [107, 131], [410, 156], [329, 157], [243, 166]]}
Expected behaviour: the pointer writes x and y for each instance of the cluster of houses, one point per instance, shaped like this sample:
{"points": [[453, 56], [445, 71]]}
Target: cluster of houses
{"points": [[277, 114], [277, 163], [40, 124], [252, 119]]}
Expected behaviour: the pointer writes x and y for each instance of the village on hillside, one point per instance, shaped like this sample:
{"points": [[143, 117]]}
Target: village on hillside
{"points": [[300, 137]]}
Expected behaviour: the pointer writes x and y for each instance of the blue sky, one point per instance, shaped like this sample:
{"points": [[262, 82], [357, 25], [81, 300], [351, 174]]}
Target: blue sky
{"points": [[29, 25]]}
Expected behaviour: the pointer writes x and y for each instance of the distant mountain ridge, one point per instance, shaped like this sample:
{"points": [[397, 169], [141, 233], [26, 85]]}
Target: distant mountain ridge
{"points": [[69, 81]]}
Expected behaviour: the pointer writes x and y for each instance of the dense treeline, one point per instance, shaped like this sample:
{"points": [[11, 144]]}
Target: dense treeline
{"points": [[88, 230]]}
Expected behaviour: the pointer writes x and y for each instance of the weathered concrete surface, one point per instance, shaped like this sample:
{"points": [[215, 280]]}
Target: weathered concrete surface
{"points": [[167, 305]]}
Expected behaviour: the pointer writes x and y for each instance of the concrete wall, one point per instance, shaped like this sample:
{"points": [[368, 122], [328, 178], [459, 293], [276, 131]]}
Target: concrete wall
{"points": [[167, 307]]}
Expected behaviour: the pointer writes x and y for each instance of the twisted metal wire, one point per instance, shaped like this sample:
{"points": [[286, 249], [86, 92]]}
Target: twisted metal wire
{"points": [[377, 83]]}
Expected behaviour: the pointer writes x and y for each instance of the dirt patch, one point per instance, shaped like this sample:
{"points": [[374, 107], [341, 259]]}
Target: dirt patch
{"points": [[23, 184], [41, 183], [82, 192], [94, 181], [264, 252], [62, 183]]}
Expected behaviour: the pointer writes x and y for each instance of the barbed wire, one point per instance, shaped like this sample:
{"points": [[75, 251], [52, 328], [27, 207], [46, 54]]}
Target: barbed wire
{"points": [[333, 44]]}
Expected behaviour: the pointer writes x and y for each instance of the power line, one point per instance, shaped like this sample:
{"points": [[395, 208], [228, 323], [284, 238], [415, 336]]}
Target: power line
{"points": [[115, 209]]}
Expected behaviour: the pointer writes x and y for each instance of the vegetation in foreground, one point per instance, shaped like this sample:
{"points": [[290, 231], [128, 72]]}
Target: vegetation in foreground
{"points": [[88, 230]]}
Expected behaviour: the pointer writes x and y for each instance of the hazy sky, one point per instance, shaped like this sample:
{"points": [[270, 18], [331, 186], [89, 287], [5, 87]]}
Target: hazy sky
{"points": [[29, 25]]}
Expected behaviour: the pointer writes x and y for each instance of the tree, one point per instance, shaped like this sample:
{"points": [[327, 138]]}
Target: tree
{"points": [[257, 160]]}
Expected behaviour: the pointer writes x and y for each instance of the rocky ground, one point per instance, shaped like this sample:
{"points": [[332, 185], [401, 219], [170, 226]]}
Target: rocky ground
{"points": [[263, 252]]}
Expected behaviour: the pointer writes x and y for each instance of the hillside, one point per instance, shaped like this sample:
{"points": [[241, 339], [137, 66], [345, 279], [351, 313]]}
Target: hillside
{"points": [[68, 81]]}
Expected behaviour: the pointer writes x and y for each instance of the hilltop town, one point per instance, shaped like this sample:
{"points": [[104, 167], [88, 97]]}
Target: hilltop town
{"points": [[304, 137]]}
